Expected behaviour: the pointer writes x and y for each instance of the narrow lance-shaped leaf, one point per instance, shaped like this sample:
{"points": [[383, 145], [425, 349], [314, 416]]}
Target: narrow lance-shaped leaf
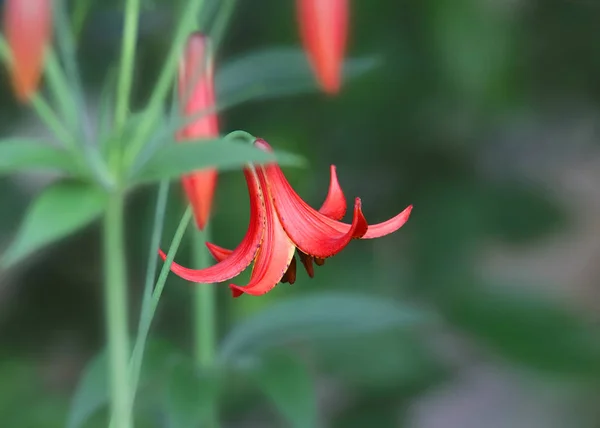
{"points": [[18, 154], [277, 72], [174, 160], [288, 385], [317, 316], [61, 209], [264, 74], [92, 392], [190, 396]]}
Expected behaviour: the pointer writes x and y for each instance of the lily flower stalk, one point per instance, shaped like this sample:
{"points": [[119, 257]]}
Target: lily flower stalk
{"points": [[282, 223], [28, 29], [197, 94], [324, 32]]}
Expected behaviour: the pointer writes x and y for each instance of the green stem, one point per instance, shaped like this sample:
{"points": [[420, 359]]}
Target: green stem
{"points": [[80, 14], [116, 310], [186, 25], [205, 323], [221, 22], [48, 116], [151, 304], [60, 89], [132, 12]]}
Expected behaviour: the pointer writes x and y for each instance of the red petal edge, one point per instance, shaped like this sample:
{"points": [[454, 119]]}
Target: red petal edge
{"points": [[381, 229], [218, 253], [274, 257], [335, 203], [244, 253], [314, 233]]}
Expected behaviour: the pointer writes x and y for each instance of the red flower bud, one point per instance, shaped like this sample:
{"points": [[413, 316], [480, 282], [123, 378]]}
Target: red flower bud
{"points": [[197, 94], [28, 29], [324, 31]]}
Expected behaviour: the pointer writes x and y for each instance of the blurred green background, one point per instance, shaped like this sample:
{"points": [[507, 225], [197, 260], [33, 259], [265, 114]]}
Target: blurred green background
{"points": [[483, 114]]}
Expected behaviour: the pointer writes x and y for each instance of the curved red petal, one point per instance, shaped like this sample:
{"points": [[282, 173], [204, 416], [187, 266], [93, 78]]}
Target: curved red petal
{"points": [[28, 29], [313, 233], [335, 202], [218, 253], [385, 228], [242, 256], [274, 257]]}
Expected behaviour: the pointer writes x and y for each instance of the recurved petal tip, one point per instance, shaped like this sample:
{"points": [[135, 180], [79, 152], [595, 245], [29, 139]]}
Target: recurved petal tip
{"points": [[218, 253], [335, 202], [389, 226]]}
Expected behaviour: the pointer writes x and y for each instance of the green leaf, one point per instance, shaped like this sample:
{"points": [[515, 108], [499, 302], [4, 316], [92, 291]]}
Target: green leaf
{"points": [[526, 329], [275, 72], [176, 159], [316, 316], [288, 385], [105, 108], [401, 361], [18, 154], [60, 210], [92, 392], [191, 396]]}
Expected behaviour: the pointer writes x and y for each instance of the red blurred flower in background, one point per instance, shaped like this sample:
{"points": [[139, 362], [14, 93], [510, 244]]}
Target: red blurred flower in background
{"points": [[281, 223], [324, 32], [28, 29], [197, 94]]}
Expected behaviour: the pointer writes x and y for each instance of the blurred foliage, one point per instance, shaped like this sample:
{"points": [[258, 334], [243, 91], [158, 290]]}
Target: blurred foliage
{"points": [[452, 75]]}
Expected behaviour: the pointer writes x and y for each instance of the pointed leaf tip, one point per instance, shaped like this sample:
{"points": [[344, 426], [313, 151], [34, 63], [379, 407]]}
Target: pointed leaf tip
{"points": [[60, 210]]}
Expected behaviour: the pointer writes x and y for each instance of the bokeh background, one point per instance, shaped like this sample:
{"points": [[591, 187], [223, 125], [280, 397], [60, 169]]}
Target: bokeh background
{"points": [[483, 114]]}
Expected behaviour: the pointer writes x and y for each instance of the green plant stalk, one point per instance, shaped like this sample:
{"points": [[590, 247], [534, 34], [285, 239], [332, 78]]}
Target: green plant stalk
{"points": [[204, 313], [60, 89], [80, 14], [132, 12], [186, 24], [116, 310], [219, 27], [150, 306]]}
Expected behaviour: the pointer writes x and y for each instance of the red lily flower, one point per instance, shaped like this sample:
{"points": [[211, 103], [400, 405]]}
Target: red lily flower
{"points": [[197, 94], [280, 223], [28, 29], [324, 30]]}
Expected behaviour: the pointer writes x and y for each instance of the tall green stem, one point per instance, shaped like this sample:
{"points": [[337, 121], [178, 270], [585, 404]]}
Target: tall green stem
{"points": [[219, 27], [132, 11], [116, 310], [186, 24], [205, 323]]}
